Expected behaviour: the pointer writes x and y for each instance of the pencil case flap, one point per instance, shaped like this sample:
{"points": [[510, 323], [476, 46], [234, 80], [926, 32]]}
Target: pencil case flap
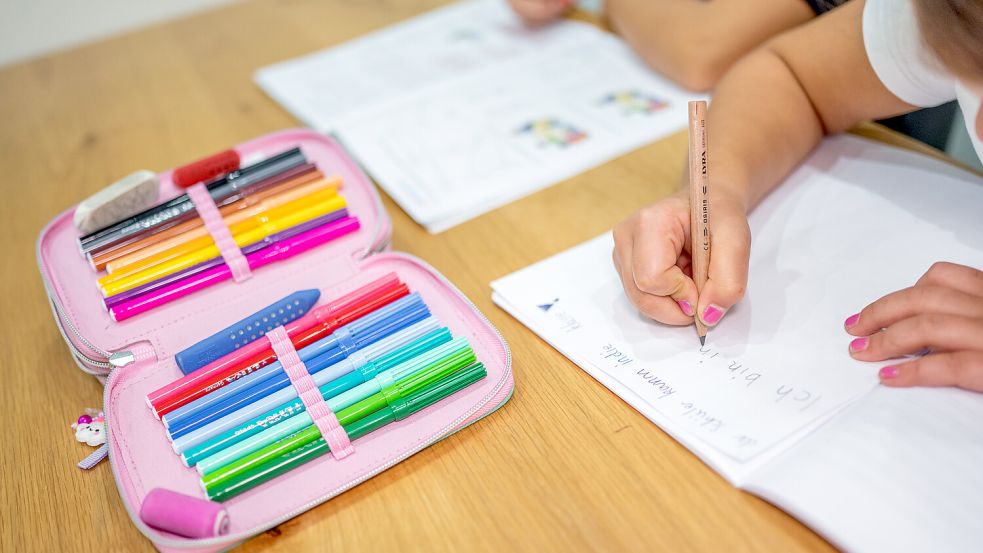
{"points": [[87, 326], [142, 457]]}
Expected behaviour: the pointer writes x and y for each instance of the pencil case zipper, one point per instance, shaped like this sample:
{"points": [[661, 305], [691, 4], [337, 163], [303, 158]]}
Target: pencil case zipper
{"points": [[100, 362], [497, 397], [97, 361]]}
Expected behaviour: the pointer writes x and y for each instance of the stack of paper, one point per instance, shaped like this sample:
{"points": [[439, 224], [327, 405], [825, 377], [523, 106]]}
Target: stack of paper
{"points": [[887, 469], [464, 109]]}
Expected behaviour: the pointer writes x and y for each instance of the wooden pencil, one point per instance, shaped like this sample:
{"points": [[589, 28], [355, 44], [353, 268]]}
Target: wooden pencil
{"points": [[699, 202]]}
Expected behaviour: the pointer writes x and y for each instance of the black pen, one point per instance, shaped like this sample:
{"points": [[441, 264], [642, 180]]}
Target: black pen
{"points": [[181, 208]]}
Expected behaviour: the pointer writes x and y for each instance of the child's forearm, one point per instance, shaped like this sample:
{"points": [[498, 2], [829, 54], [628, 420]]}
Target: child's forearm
{"points": [[694, 42], [759, 129], [776, 104]]}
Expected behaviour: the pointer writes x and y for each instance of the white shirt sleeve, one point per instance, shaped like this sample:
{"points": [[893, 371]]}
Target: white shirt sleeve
{"points": [[900, 57]]}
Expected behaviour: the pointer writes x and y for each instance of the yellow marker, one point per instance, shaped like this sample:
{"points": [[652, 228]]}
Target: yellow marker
{"points": [[171, 248], [274, 221], [206, 240]]}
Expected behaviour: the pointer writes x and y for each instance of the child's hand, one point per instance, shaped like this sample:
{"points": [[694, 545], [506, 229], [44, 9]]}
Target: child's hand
{"points": [[540, 11], [651, 253], [943, 314]]}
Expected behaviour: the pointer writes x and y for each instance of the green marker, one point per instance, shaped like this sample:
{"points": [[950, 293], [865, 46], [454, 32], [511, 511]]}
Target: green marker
{"points": [[295, 457], [239, 449], [215, 447], [391, 395]]}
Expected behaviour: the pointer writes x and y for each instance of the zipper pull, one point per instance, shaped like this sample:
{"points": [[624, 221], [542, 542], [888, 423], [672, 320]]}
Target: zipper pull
{"points": [[121, 359], [94, 458]]}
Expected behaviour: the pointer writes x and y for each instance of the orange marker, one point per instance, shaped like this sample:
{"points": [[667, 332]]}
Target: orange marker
{"points": [[162, 248]]}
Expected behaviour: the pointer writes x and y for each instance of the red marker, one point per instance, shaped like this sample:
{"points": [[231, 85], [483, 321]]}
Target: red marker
{"points": [[206, 169], [317, 324]]}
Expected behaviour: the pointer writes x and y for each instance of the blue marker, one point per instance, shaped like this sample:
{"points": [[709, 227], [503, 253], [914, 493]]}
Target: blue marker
{"points": [[336, 347]]}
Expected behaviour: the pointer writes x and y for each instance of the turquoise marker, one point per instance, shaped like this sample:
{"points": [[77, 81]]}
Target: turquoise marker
{"points": [[295, 418], [334, 379], [292, 458], [265, 413], [394, 397]]}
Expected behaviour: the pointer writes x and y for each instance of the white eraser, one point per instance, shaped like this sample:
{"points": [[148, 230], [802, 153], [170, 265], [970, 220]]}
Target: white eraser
{"points": [[124, 198]]}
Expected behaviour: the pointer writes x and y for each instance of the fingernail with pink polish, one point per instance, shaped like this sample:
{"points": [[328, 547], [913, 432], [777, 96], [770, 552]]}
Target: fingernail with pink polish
{"points": [[852, 320], [686, 307], [889, 372], [859, 344], [712, 314]]}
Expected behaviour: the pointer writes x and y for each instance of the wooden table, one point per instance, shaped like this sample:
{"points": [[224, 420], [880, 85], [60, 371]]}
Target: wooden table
{"points": [[72, 122]]}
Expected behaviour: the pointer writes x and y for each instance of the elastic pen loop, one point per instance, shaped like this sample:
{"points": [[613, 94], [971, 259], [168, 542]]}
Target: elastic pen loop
{"points": [[215, 225], [322, 416]]}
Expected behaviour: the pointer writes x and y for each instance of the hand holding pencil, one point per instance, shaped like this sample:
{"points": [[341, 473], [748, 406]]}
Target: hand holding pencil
{"points": [[653, 254]]}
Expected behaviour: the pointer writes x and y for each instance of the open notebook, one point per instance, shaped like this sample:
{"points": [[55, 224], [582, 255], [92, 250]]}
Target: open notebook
{"points": [[773, 402], [464, 109]]}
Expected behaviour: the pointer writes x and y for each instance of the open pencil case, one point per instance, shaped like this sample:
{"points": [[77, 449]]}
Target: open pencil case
{"points": [[136, 356]]}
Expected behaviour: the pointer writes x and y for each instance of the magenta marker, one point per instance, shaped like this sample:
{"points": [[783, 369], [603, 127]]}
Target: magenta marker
{"points": [[278, 252], [270, 240]]}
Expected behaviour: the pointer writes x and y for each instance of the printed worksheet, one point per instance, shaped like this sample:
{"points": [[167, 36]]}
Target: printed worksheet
{"points": [[454, 150], [465, 109], [434, 47], [855, 222]]}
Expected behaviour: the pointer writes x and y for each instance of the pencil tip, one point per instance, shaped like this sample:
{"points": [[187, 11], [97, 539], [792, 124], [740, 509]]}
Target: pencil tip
{"points": [[703, 340]]}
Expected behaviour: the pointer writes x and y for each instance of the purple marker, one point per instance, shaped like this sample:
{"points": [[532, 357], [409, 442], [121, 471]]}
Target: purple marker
{"points": [[116, 299], [282, 250]]}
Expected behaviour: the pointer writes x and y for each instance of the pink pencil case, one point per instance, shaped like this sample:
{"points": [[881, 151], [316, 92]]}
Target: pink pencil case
{"points": [[136, 356]]}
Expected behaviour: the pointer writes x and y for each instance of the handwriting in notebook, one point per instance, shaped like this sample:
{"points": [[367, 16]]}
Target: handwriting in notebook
{"points": [[739, 397]]}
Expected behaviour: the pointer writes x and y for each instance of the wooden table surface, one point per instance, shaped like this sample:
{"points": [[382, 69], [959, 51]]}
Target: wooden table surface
{"points": [[72, 122]]}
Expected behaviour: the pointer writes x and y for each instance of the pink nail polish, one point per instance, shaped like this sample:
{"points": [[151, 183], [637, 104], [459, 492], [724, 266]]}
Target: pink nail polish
{"points": [[859, 344], [712, 314], [852, 320], [686, 307], [889, 372]]}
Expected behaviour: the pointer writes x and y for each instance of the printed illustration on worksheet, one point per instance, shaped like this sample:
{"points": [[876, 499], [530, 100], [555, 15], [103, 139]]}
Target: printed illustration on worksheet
{"points": [[549, 132], [632, 102]]}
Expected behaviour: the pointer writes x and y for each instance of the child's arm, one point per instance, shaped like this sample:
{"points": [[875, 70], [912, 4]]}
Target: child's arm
{"points": [[767, 114], [695, 42], [776, 104]]}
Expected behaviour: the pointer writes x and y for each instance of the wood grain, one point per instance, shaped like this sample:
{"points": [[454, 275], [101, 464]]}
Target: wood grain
{"points": [[519, 480]]}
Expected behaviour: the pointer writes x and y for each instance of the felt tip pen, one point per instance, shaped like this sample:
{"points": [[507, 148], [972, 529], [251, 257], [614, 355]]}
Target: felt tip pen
{"points": [[217, 261], [271, 379], [180, 209], [421, 376], [174, 202], [267, 411], [400, 312], [204, 240], [326, 318], [259, 432], [280, 251], [248, 209], [193, 253], [288, 180], [393, 396], [355, 430]]}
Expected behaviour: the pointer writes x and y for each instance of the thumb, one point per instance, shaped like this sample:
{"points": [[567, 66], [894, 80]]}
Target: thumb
{"points": [[730, 249]]}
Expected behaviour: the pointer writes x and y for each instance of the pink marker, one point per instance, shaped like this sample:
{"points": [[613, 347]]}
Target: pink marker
{"points": [[326, 317], [278, 252]]}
